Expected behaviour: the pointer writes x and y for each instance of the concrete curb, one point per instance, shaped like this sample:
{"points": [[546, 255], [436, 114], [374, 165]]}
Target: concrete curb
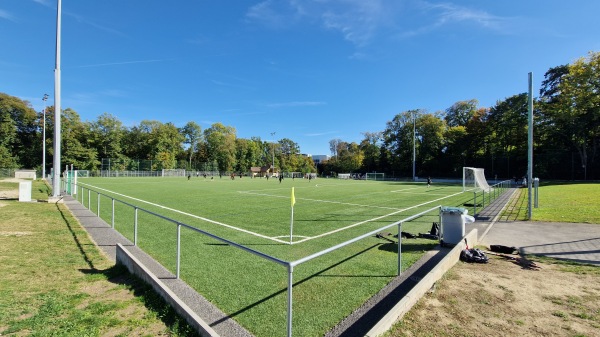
{"points": [[408, 301], [135, 267]]}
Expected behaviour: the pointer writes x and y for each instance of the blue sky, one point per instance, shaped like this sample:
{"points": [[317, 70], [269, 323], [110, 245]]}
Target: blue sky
{"points": [[310, 71]]}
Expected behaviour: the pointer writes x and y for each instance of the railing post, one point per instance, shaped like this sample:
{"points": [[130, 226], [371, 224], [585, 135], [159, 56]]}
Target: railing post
{"points": [[112, 221], [399, 248], [474, 203], [135, 226], [82, 198], [90, 200], [178, 248], [98, 208], [289, 308], [482, 198]]}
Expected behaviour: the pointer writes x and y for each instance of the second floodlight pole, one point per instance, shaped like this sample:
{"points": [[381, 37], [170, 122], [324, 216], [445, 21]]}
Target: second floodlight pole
{"points": [[530, 145]]}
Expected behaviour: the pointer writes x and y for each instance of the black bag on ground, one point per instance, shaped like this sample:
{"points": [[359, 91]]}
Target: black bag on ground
{"points": [[473, 255], [502, 249]]}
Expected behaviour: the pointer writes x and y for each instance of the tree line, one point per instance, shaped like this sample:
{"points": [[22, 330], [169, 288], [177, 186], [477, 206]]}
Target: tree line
{"points": [[565, 145], [90, 145], [566, 138]]}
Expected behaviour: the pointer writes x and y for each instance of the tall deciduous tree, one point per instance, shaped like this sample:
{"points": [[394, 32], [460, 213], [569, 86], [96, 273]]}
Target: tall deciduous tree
{"points": [[579, 104], [461, 112], [508, 120], [107, 134], [18, 133], [76, 149], [192, 132], [220, 142], [370, 147], [398, 139]]}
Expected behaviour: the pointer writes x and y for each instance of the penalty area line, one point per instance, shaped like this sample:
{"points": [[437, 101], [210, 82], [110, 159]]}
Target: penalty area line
{"points": [[374, 219]]}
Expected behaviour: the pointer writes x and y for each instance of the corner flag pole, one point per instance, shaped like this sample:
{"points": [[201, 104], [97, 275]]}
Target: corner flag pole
{"points": [[292, 221]]}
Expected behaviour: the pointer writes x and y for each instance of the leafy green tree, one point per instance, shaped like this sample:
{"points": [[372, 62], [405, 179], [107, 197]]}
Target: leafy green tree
{"points": [[508, 120], [398, 140], [577, 108], [370, 147], [193, 136], [247, 154], [107, 134], [431, 142], [166, 144], [461, 112], [20, 143], [153, 140], [220, 142], [75, 149]]}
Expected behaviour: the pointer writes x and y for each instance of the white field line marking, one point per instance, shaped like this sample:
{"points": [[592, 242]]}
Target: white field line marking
{"points": [[190, 215], [318, 200], [420, 193], [407, 189], [373, 219]]}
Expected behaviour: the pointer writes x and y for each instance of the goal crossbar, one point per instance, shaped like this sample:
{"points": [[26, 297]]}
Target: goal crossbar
{"points": [[474, 177]]}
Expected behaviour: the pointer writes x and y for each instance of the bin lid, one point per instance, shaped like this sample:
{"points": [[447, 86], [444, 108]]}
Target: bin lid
{"points": [[454, 210]]}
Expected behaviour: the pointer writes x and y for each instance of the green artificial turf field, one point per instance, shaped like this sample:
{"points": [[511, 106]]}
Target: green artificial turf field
{"points": [[257, 213]]}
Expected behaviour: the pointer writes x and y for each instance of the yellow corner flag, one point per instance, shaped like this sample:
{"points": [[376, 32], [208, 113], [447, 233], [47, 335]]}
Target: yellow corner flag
{"points": [[293, 198]]}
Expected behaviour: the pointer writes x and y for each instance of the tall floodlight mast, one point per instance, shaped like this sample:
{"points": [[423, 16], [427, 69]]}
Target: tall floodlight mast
{"points": [[273, 150], [57, 136], [414, 144], [530, 145], [44, 99]]}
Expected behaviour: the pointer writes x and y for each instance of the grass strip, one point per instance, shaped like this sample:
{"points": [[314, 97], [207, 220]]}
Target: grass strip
{"points": [[55, 282]]}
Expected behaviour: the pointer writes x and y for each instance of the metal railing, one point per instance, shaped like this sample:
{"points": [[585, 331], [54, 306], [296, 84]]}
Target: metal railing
{"points": [[493, 192], [290, 265]]}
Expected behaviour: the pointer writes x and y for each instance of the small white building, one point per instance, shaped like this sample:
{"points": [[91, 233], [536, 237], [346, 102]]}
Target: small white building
{"points": [[319, 158]]}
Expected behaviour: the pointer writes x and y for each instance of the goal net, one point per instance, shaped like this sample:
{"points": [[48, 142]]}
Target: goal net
{"points": [[173, 172], [82, 173], [375, 176], [474, 178], [343, 176]]}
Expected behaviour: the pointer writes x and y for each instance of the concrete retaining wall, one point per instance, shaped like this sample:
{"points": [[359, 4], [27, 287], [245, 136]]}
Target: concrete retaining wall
{"points": [[135, 267], [408, 301]]}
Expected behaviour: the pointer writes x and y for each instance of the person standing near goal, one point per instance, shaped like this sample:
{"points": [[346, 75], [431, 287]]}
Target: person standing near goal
{"points": [[428, 182]]}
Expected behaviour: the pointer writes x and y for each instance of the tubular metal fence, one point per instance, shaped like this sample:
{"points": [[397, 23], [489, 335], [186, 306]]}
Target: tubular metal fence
{"points": [[84, 194]]}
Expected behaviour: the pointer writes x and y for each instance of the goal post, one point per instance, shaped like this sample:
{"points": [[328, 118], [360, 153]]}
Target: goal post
{"points": [[173, 172], [82, 173], [474, 177], [375, 176]]}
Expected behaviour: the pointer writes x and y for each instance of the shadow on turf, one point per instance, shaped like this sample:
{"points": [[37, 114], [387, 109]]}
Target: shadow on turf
{"points": [[118, 274], [408, 247], [318, 274]]}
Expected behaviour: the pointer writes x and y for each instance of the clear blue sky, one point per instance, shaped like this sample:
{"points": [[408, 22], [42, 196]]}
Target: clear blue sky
{"points": [[308, 70]]}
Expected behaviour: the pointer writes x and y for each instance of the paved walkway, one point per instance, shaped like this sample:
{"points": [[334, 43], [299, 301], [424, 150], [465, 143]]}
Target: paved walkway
{"points": [[566, 241], [578, 242], [107, 238]]}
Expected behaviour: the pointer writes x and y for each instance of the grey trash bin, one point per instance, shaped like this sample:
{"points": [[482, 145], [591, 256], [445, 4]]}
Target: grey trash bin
{"points": [[453, 224]]}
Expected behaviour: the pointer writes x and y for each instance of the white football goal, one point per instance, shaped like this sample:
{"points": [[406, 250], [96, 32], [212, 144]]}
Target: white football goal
{"points": [[173, 172], [82, 173], [375, 176], [474, 178]]}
